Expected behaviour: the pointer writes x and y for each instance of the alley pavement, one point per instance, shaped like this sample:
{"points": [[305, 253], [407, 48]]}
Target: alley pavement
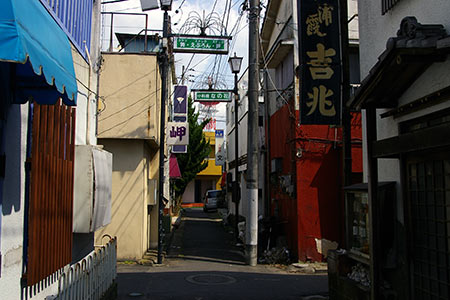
{"points": [[204, 263]]}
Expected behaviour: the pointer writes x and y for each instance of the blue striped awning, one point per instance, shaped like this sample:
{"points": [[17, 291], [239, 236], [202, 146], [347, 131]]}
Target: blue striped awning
{"points": [[30, 37]]}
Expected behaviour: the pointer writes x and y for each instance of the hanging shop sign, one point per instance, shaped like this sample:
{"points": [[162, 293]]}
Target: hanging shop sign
{"points": [[220, 153], [177, 133], [180, 100], [201, 44], [180, 112], [320, 100], [212, 96]]}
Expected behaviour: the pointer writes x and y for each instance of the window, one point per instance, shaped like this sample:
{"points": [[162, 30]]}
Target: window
{"points": [[428, 192], [358, 225], [386, 5], [359, 221]]}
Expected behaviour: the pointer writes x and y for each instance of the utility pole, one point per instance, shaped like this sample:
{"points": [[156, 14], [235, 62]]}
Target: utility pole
{"points": [[164, 71], [251, 235]]}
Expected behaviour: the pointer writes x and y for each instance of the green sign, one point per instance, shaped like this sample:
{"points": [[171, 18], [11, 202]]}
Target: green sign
{"points": [[212, 96], [215, 45]]}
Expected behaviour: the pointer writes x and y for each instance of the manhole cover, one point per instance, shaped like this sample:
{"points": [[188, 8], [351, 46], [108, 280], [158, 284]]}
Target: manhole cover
{"points": [[210, 279]]}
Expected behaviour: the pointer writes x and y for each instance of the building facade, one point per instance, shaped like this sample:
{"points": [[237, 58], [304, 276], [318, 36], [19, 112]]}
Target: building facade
{"points": [[48, 106], [404, 98], [304, 173], [129, 127], [241, 162], [208, 179]]}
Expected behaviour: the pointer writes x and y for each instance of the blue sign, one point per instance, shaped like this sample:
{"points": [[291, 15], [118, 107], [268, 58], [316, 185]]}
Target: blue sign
{"points": [[219, 133]]}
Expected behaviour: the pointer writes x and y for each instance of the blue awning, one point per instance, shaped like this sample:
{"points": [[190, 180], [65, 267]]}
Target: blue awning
{"points": [[30, 37]]}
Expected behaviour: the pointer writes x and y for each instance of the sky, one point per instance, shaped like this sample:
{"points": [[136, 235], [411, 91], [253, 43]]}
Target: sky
{"points": [[199, 66]]}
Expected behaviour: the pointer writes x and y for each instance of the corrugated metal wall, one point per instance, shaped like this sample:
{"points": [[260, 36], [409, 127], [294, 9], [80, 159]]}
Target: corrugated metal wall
{"points": [[75, 17], [51, 191]]}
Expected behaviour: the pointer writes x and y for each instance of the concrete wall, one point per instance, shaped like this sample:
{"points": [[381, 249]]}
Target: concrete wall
{"points": [[284, 13], [242, 148], [377, 28], [353, 31], [12, 227], [129, 93], [189, 193], [133, 165]]}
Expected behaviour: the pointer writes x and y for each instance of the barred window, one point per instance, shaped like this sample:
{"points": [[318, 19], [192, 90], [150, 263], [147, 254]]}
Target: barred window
{"points": [[387, 5]]}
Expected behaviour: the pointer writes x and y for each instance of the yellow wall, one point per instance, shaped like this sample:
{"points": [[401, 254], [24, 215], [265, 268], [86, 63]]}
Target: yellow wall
{"points": [[133, 164], [129, 97], [212, 169]]}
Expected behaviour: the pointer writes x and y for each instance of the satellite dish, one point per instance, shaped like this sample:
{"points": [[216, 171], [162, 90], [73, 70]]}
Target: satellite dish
{"points": [[149, 4]]}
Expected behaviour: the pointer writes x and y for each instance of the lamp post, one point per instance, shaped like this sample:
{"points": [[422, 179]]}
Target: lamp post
{"points": [[235, 65]]}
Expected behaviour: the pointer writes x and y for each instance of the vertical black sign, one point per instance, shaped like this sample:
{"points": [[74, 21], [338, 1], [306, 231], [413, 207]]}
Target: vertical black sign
{"points": [[180, 110], [320, 55], [180, 99]]}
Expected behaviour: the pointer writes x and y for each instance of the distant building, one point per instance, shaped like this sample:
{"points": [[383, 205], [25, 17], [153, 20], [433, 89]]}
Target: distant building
{"points": [[208, 179]]}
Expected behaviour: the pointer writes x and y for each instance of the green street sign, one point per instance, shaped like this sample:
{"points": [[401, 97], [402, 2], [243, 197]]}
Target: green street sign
{"points": [[212, 96], [198, 44]]}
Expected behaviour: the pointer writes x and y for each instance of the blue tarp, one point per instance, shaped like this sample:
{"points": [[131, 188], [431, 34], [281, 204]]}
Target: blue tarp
{"points": [[30, 37]]}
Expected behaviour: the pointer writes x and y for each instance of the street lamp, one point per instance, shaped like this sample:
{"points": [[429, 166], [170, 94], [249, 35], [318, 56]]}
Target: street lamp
{"points": [[235, 65], [166, 4]]}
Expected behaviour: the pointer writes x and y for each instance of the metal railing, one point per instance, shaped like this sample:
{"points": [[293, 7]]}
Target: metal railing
{"points": [[92, 277]]}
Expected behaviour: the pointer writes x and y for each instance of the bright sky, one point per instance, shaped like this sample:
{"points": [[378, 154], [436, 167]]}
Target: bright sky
{"points": [[199, 66]]}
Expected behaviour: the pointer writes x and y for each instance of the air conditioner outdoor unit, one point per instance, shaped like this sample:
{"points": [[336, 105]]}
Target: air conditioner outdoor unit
{"points": [[92, 188]]}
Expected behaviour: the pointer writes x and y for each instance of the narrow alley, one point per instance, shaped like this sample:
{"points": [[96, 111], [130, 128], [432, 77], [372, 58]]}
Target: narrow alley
{"points": [[204, 263]]}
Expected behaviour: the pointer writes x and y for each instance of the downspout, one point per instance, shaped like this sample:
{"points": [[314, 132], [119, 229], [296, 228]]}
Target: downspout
{"points": [[88, 102], [99, 66], [268, 163]]}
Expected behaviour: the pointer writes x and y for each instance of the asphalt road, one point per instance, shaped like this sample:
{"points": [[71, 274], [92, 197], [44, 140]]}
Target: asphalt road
{"points": [[204, 263]]}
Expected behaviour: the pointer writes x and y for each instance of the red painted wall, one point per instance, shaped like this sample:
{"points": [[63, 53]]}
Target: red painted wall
{"points": [[319, 181], [315, 209], [283, 204]]}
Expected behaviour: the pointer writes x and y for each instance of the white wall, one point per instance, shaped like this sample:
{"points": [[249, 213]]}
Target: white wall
{"points": [[12, 227], [375, 29], [189, 193]]}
